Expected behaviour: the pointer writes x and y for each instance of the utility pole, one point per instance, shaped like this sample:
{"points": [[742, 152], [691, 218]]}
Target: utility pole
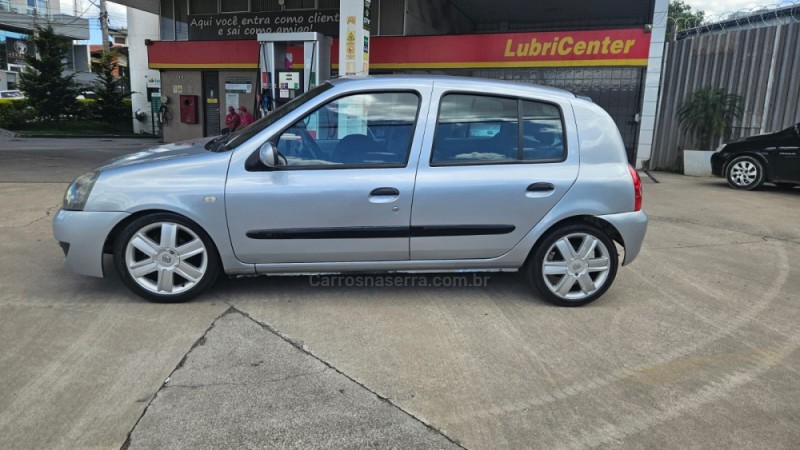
{"points": [[104, 25]]}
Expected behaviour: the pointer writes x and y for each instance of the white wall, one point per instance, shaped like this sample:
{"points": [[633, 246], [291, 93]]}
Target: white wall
{"points": [[141, 25], [652, 82]]}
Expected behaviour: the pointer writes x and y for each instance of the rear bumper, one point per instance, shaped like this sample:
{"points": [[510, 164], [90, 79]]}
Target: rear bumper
{"points": [[632, 227], [81, 235]]}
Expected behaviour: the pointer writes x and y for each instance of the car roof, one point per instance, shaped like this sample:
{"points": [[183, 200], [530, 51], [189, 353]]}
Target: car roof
{"points": [[399, 79]]}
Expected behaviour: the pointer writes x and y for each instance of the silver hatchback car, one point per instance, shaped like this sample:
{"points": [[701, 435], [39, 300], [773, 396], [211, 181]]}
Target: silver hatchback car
{"points": [[374, 174]]}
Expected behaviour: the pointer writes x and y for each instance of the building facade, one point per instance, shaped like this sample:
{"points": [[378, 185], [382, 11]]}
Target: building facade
{"points": [[608, 50], [18, 19]]}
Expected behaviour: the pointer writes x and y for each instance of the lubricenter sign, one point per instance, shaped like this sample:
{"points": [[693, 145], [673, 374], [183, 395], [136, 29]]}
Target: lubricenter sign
{"points": [[625, 47]]}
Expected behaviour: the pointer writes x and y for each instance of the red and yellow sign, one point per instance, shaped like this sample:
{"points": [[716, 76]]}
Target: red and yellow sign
{"points": [[626, 47]]}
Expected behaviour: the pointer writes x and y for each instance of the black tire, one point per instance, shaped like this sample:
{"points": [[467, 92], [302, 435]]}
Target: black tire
{"points": [[785, 186], [149, 285], [745, 173], [545, 252]]}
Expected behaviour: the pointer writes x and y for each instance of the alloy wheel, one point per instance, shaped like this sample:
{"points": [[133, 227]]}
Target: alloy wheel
{"points": [[166, 258], [743, 173], [576, 266]]}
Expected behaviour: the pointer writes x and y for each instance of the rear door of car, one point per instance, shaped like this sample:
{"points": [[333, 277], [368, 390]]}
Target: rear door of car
{"points": [[477, 192]]}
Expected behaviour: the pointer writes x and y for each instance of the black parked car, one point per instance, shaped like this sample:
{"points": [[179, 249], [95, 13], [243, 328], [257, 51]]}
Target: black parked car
{"points": [[772, 158]]}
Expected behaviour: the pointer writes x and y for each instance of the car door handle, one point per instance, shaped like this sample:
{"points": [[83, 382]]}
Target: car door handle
{"points": [[541, 187], [384, 191]]}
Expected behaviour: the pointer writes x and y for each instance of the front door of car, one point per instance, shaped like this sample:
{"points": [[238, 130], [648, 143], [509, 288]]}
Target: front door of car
{"points": [[787, 167], [487, 181], [348, 199]]}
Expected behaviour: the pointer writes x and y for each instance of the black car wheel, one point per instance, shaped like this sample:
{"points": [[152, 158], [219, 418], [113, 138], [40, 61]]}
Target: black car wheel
{"points": [[746, 173]]}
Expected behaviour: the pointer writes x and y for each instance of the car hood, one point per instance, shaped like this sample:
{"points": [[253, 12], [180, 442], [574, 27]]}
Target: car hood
{"points": [[160, 153]]}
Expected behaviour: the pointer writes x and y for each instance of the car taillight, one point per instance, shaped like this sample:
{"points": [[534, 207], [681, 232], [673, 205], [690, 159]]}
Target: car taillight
{"points": [[637, 188]]}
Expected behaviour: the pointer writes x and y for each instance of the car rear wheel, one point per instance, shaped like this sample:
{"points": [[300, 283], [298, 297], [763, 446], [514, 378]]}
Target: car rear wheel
{"points": [[745, 172], [166, 258], [574, 265]]}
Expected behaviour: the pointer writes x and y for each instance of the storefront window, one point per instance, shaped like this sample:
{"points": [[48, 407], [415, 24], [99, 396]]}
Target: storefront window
{"points": [[266, 5], [167, 20], [301, 4], [207, 6], [234, 6], [181, 21]]}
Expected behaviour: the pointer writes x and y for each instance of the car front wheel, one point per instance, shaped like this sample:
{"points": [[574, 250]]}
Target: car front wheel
{"points": [[746, 173], [165, 258], [574, 265]]}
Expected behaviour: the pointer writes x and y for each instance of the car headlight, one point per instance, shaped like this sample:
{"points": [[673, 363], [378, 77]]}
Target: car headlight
{"points": [[78, 191]]}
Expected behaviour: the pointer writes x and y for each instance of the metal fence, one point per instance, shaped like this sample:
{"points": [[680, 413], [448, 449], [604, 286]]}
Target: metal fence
{"points": [[760, 64]]}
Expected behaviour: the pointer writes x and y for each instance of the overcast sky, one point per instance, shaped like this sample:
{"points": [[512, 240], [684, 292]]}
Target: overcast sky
{"points": [[721, 8]]}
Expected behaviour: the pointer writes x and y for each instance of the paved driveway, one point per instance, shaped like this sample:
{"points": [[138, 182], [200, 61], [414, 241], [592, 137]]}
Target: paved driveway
{"points": [[696, 345]]}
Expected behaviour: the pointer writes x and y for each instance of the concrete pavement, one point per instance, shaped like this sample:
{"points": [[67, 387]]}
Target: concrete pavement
{"points": [[696, 345]]}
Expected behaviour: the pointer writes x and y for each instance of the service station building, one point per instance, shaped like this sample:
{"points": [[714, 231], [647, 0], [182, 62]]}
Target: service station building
{"points": [[205, 55]]}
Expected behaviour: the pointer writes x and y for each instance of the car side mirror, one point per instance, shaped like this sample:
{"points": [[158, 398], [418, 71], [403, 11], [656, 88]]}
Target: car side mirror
{"points": [[268, 154]]}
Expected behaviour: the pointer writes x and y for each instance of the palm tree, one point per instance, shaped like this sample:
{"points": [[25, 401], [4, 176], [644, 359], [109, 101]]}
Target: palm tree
{"points": [[709, 113]]}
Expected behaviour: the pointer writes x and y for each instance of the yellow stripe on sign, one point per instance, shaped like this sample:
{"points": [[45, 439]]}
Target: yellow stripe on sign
{"points": [[212, 100], [512, 64], [203, 66]]}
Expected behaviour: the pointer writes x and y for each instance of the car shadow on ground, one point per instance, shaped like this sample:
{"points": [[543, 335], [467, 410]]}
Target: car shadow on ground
{"points": [[767, 187], [378, 288]]}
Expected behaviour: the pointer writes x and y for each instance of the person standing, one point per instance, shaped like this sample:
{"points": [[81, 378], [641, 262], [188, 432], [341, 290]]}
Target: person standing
{"points": [[232, 120], [245, 116]]}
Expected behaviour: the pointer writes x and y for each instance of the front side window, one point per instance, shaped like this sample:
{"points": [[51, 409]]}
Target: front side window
{"points": [[369, 129], [481, 129]]}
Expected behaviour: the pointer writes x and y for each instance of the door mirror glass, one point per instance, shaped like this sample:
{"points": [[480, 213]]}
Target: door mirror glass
{"points": [[268, 154]]}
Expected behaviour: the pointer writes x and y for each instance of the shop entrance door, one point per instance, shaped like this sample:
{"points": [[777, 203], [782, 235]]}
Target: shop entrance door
{"points": [[211, 103]]}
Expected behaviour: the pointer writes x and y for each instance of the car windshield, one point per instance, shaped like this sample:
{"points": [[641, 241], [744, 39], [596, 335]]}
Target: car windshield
{"points": [[237, 138]]}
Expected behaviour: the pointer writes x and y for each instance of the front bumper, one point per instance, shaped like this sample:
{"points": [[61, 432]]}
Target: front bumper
{"points": [[632, 227], [718, 161], [82, 235]]}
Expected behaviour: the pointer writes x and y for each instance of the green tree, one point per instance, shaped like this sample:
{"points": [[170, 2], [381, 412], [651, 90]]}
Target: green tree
{"points": [[110, 90], [49, 92], [682, 17], [709, 113]]}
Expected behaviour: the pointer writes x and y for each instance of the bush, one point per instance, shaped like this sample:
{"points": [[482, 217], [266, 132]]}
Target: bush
{"points": [[15, 114]]}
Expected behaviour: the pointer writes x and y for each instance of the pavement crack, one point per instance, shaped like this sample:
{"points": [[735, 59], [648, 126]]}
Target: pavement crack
{"points": [[303, 348], [199, 342], [46, 215]]}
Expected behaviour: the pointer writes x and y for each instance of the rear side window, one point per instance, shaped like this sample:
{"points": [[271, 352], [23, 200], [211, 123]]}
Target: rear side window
{"points": [[481, 129], [542, 132]]}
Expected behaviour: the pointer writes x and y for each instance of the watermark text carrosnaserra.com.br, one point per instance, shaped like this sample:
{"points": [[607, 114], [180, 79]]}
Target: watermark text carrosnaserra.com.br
{"points": [[477, 280]]}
